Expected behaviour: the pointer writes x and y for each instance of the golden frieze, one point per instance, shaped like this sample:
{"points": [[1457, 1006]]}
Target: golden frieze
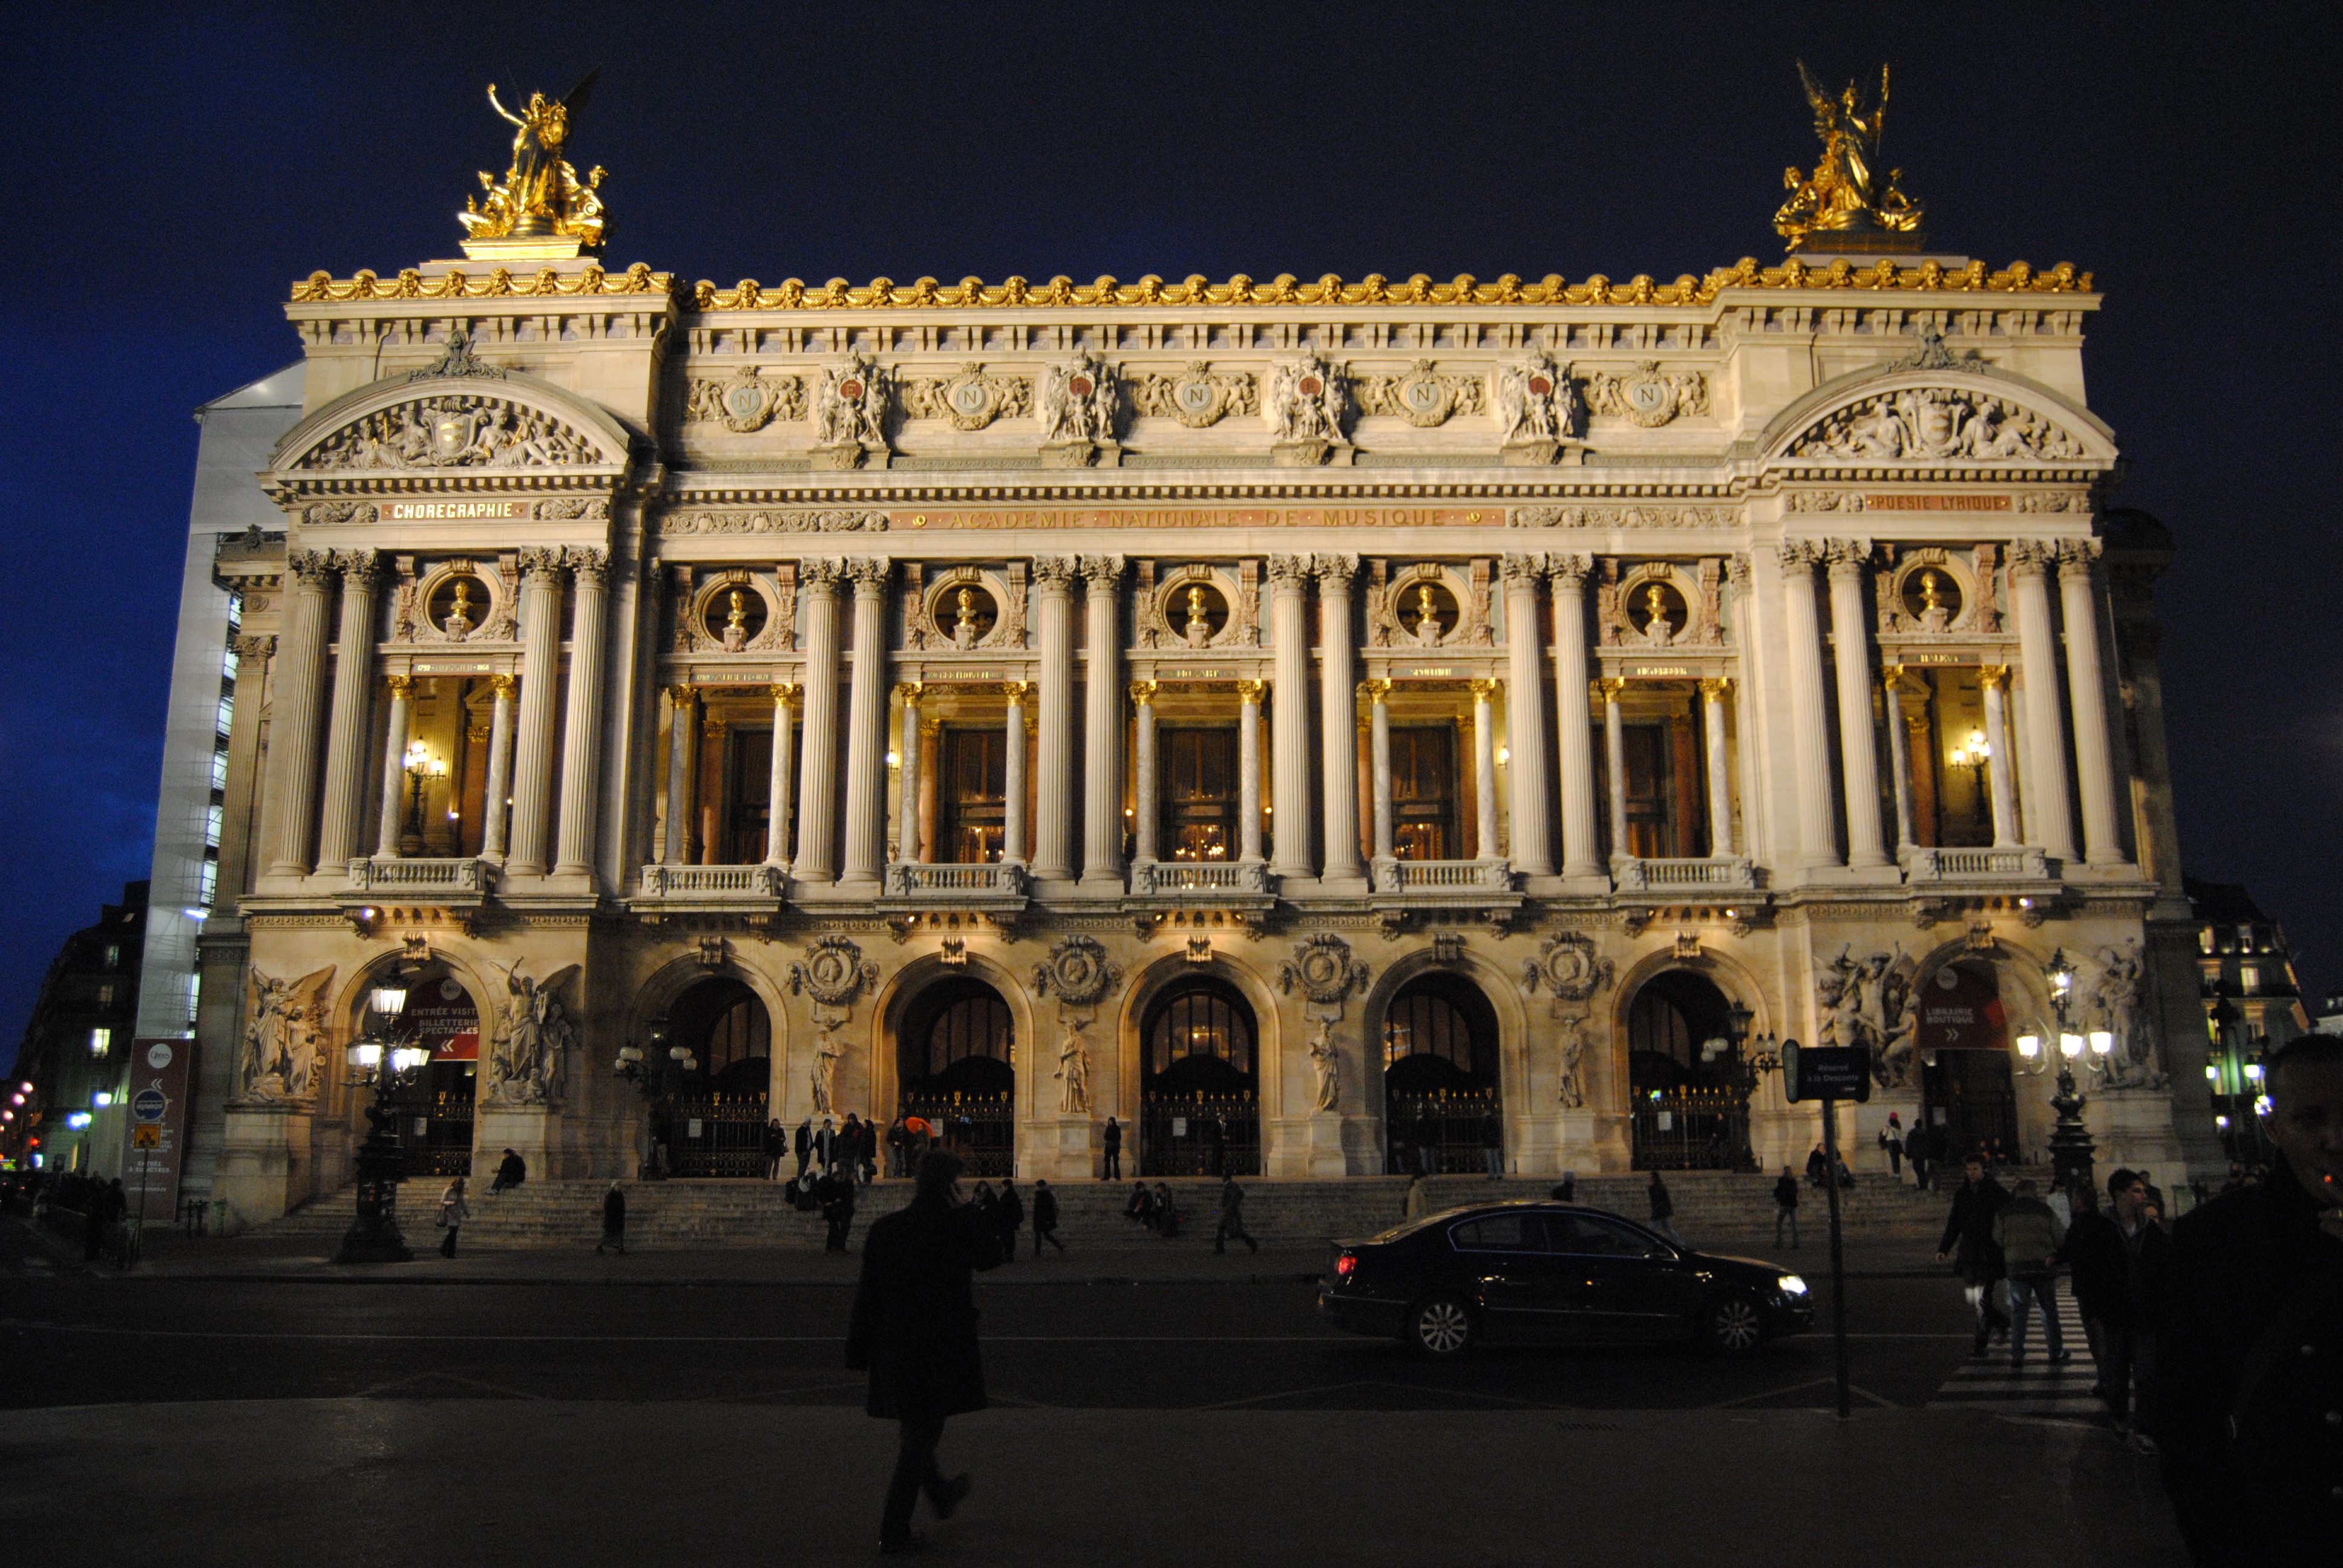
{"points": [[457, 283]]}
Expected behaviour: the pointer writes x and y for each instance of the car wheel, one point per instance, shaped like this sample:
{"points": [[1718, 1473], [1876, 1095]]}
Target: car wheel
{"points": [[1730, 1326], [1440, 1327]]}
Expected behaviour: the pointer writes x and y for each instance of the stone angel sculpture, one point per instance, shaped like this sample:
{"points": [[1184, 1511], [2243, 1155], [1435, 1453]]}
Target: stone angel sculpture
{"points": [[529, 1038], [1077, 401], [280, 1036]]}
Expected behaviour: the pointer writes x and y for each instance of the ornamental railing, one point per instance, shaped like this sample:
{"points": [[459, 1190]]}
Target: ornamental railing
{"points": [[982, 879], [1199, 1135], [1443, 876], [1690, 1130], [466, 875], [2022, 862], [1449, 1125], [1156, 877], [711, 882], [711, 1135], [1719, 872]]}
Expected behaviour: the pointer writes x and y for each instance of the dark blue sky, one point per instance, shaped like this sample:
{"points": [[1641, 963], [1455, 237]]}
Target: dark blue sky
{"points": [[172, 170]]}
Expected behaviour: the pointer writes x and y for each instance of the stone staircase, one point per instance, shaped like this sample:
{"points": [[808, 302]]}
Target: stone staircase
{"points": [[687, 1215]]}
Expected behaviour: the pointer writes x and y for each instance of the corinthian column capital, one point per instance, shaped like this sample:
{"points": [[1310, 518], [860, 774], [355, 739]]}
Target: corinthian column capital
{"points": [[1102, 573], [1053, 574], [1522, 571], [1289, 573], [869, 575]]}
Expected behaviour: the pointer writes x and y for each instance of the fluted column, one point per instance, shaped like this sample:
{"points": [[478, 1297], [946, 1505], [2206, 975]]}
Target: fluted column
{"points": [[1339, 718], [1289, 758], [293, 723], [1249, 771], [1102, 727], [1579, 855], [1525, 717], [1379, 764], [865, 854], [777, 783], [1148, 809], [498, 805], [1999, 775], [345, 729], [681, 744], [1614, 758], [2095, 772], [1485, 769], [1053, 828], [1899, 754], [1858, 752], [581, 740], [2043, 769], [1810, 742], [909, 846], [394, 766], [817, 847], [1714, 693], [540, 657], [1012, 808]]}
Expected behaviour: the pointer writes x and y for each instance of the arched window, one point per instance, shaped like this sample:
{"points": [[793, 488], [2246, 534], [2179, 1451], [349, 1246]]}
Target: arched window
{"points": [[976, 1024], [740, 1032], [1202, 1020], [1443, 1016], [1670, 1026], [721, 1021]]}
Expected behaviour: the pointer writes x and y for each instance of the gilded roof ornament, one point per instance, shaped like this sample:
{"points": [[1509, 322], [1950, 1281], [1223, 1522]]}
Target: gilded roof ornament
{"points": [[1845, 204], [540, 209]]}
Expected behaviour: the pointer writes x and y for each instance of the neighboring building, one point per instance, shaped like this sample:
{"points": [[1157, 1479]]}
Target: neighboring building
{"points": [[2330, 1017], [2253, 1005], [1315, 712], [73, 1060]]}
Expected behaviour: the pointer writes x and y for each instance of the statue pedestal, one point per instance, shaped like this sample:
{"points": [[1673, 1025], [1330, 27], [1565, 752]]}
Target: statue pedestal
{"points": [[1319, 1147], [535, 1132], [267, 1165], [2133, 1127], [1549, 1144], [535, 247], [1059, 1147]]}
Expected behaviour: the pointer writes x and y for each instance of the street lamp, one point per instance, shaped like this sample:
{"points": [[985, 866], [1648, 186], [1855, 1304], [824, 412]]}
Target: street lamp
{"points": [[1748, 1059], [2070, 1142], [380, 1060], [657, 1073]]}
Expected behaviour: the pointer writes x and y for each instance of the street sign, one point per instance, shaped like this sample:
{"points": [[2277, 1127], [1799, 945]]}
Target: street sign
{"points": [[147, 1135], [149, 1104], [1825, 1073]]}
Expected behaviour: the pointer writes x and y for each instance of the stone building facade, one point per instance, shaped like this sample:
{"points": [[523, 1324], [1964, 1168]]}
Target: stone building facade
{"points": [[1298, 716]]}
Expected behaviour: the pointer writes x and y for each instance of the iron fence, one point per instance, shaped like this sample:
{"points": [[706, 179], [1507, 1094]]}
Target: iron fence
{"points": [[1692, 1129], [1456, 1125], [979, 1127], [1199, 1135], [438, 1130], [713, 1134]]}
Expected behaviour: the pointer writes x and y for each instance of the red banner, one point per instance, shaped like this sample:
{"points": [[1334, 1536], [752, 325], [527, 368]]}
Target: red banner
{"points": [[160, 1071], [440, 1012], [1960, 1008]]}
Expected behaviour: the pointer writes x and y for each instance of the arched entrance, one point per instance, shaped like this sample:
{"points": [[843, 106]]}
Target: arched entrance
{"points": [[714, 1121], [1198, 1082], [1966, 1093], [435, 1109], [1688, 1088], [956, 1059], [1441, 1082]]}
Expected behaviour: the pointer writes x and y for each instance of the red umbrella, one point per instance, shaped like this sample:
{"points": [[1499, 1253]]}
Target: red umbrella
{"points": [[917, 1124]]}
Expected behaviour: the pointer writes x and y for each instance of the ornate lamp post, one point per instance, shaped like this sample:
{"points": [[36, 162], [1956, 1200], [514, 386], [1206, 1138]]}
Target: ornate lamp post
{"points": [[2071, 1147], [381, 1060], [658, 1074], [1747, 1061]]}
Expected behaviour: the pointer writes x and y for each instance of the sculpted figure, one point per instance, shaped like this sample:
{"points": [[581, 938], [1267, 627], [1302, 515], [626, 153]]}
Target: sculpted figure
{"points": [[822, 1076], [1327, 1063], [1073, 1072], [541, 193], [531, 1033], [1933, 616], [1426, 630], [736, 623], [1198, 630], [850, 404], [1656, 629], [459, 622], [1570, 1090], [964, 628], [280, 1036], [1533, 401], [1077, 401]]}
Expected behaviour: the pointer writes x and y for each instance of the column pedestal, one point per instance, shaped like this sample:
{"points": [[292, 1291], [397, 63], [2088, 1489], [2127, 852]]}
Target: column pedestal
{"points": [[266, 1164], [535, 1132], [1321, 1147]]}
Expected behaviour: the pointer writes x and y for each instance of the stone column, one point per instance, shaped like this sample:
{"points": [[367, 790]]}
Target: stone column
{"points": [[2095, 773], [910, 843], [394, 768], [865, 853], [540, 657], [1485, 769], [681, 743], [1525, 717], [581, 740], [500, 761], [1858, 752], [1579, 854], [292, 803], [1249, 771], [1810, 744], [1146, 810], [2048, 822], [345, 729], [817, 847], [1379, 762], [1999, 775], [1714, 693], [776, 786], [1288, 577], [1012, 808], [1339, 718], [1053, 828], [1102, 727], [1614, 758], [1899, 754]]}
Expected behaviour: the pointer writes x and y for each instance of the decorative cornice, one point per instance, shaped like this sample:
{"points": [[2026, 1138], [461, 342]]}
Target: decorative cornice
{"points": [[457, 283]]}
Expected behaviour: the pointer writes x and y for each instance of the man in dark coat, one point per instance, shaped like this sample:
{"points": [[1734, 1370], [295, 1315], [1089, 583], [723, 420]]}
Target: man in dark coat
{"points": [[613, 1220], [1920, 1149], [2121, 1263], [1111, 1147], [914, 1330], [511, 1172], [1232, 1227], [1968, 1241], [1045, 1218], [834, 1191], [2248, 1404], [802, 1142], [1009, 1217], [1427, 1141], [1663, 1209], [1785, 1208]]}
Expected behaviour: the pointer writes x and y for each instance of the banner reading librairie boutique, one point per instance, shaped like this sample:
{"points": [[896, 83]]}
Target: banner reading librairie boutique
{"points": [[159, 1070]]}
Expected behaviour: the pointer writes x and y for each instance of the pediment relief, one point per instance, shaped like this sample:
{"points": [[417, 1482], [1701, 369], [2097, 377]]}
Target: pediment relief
{"points": [[454, 430], [1962, 412]]}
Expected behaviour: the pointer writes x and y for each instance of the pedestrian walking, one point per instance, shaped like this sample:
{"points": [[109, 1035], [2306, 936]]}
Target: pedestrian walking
{"points": [[1968, 1241], [1009, 1217], [1045, 1217], [1891, 1142], [802, 1144], [2252, 1364], [1785, 1208], [834, 1191], [1232, 1226], [2122, 1266], [849, 1147], [511, 1172], [613, 1220], [1920, 1149], [1110, 1142], [1663, 1209], [913, 1330], [2029, 1234], [898, 1141], [1492, 1146], [870, 1151], [453, 1212]]}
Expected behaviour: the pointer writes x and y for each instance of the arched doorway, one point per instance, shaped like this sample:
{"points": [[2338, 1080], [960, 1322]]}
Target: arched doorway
{"points": [[435, 1109], [1688, 1087], [1967, 1095], [956, 1058], [1441, 1082], [714, 1121], [1198, 1082]]}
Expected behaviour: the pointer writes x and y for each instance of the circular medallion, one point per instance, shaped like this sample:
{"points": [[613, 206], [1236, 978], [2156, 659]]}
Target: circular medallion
{"points": [[850, 389], [1081, 386], [1310, 386], [744, 402], [1647, 396], [1541, 385], [969, 396]]}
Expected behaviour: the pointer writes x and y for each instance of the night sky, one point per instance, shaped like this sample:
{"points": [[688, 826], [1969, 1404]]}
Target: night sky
{"points": [[171, 172]]}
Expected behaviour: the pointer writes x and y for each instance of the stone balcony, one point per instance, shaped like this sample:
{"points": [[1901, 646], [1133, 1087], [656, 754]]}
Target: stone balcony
{"points": [[988, 887], [1925, 866], [752, 890], [1483, 887], [1698, 876]]}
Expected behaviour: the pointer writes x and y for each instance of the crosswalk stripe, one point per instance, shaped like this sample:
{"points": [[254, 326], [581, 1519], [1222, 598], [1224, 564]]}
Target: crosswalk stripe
{"points": [[2039, 1387]]}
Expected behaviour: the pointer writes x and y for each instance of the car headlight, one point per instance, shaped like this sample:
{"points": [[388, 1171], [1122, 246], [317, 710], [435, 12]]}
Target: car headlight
{"points": [[1791, 1285]]}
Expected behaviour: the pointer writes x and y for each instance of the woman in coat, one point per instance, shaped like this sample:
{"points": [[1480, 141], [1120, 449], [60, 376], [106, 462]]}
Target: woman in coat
{"points": [[453, 1212], [913, 1330]]}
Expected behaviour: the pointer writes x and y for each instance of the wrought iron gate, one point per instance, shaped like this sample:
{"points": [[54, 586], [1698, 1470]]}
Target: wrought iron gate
{"points": [[437, 1133], [1456, 1121], [714, 1135], [1692, 1129], [1200, 1135], [979, 1127]]}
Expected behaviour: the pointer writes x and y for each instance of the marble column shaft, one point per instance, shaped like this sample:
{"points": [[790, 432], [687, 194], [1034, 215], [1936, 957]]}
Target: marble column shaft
{"points": [[1899, 755], [817, 847], [497, 804], [1012, 806], [1249, 770], [1525, 717], [865, 851], [300, 670], [2043, 768], [1714, 693], [776, 785], [681, 743], [1289, 757], [1810, 741], [1999, 775], [1103, 695], [2094, 771], [1858, 750], [1339, 718], [1614, 758], [1579, 844], [581, 740], [394, 768], [910, 845], [1148, 813], [540, 658], [338, 837], [1053, 829], [1485, 769], [1379, 760]]}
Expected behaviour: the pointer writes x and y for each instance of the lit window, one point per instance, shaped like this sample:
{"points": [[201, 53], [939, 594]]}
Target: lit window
{"points": [[235, 611], [209, 888], [2249, 976], [101, 1041], [195, 995], [106, 994], [2205, 938], [219, 769], [228, 662], [114, 955]]}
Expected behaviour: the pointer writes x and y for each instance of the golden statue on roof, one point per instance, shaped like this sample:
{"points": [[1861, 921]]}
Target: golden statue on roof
{"points": [[540, 209], [1845, 206]]}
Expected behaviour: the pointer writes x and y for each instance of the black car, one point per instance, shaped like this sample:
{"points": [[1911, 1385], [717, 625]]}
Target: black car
{"points": [[1549, 1272]]}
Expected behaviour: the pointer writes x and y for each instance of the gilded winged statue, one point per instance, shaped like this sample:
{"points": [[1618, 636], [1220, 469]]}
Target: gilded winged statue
{"points": [[1845, 196], [540, 195]]}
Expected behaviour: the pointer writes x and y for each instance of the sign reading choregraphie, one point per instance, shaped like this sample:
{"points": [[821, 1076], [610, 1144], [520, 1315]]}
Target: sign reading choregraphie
{"points": [[156, 1135]]}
